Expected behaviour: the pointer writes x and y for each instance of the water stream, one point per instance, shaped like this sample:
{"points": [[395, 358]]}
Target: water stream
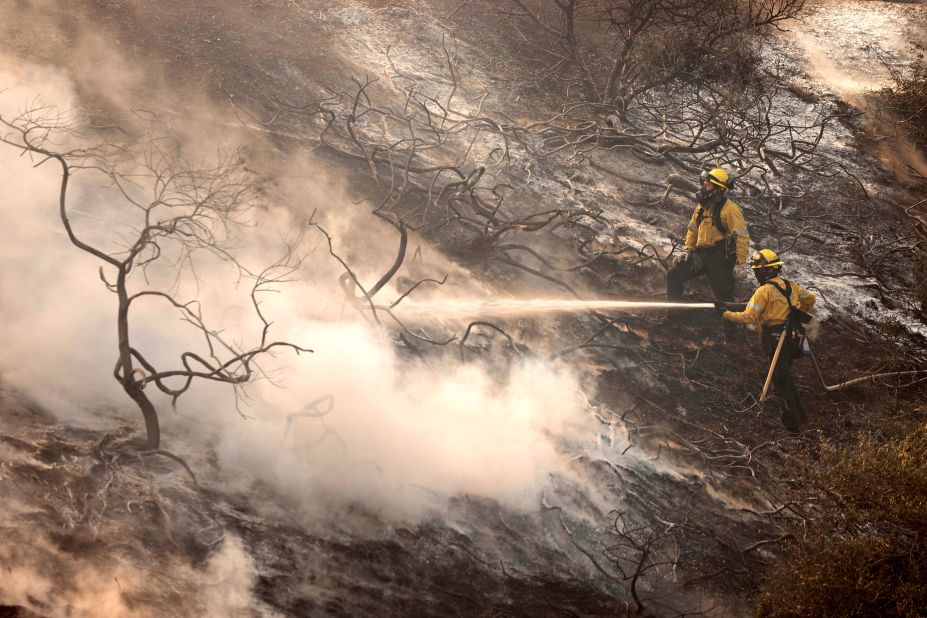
{"points": [[512, 307]]}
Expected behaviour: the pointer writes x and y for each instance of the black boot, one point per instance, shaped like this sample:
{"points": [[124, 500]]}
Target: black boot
{"points": [[790, 420]]}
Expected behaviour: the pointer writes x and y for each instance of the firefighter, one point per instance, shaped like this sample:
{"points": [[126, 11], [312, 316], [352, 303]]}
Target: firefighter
{"points": [[773, 306], [716, 241]]}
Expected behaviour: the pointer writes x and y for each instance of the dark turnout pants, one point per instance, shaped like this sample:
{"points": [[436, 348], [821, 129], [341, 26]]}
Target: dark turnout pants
{"points": [[794, 413], [719, 270]]}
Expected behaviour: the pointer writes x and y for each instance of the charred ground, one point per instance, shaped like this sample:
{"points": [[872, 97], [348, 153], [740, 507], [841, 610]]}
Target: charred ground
{"points": [[700, 534]]}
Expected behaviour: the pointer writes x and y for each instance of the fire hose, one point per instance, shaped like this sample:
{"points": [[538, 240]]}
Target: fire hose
{"points": [[817, 369], [854, 381], [517, 307]]}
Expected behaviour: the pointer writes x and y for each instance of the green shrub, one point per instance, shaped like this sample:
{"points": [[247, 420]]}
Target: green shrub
{"points": [[868, 555]]}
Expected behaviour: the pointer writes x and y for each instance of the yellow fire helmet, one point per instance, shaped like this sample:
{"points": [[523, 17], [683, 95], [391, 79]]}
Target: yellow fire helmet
{"points": [[717, 177], [765, 258]]}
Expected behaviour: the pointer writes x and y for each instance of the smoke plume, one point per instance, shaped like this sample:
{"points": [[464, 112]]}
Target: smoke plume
{"points": [[398, 432]]}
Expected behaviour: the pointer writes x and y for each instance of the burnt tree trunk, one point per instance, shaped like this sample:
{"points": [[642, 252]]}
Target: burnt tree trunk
{"points": [[130, 385]]}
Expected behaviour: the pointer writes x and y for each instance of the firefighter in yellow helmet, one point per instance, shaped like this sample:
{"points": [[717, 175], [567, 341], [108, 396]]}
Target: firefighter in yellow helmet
{"points": [[716, 241], [773, 307]]}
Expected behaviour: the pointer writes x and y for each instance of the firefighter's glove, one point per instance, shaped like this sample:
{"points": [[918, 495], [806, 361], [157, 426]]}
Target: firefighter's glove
{"points": [[682, 258], [720, 307]]}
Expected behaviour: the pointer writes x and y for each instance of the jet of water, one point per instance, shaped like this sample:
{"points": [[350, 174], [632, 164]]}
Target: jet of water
{"points": [[510, 307]]}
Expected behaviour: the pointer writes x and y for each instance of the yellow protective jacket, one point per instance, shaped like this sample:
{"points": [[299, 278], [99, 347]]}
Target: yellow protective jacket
{"points": [[767, 306], [705, 234]]}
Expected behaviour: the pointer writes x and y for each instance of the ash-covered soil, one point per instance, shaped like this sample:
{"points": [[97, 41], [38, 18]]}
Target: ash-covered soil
{"points": [[140, 537], [685, 473]]}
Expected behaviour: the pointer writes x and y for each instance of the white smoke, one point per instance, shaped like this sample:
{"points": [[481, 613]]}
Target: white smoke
{"points": [[56, 584], [400, 437]]}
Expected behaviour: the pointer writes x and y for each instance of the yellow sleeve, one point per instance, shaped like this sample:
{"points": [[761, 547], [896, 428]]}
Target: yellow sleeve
{"points": [[754, 311], [733, 218], [806, 299], [692, 231]]}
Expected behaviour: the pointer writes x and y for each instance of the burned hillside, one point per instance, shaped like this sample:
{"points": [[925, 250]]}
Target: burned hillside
{"points": [[416, 197]]}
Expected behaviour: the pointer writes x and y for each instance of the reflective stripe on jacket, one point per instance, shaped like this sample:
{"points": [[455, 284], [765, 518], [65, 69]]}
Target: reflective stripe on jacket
{"points": [[705, 234], [767, 306]]}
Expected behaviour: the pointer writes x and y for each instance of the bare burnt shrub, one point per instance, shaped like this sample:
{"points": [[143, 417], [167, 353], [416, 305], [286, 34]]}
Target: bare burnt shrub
{"points": [[182, 211], [672, 82], [906, 101], [619, 50], [868, 554], [891, 327]]}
